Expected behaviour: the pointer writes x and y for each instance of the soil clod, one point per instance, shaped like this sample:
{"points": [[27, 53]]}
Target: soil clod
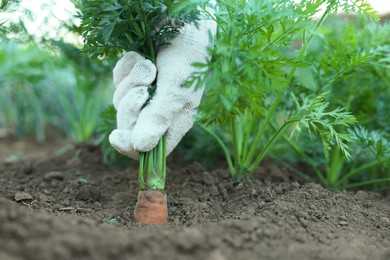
{"points": [[23, 196]]}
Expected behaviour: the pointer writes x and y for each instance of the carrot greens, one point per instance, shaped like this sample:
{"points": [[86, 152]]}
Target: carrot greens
{"points": [[259, 48], [111, 27], [350, 62]]}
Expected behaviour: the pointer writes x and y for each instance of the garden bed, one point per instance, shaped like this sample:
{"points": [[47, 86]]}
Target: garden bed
{"points": [[82, 209]]}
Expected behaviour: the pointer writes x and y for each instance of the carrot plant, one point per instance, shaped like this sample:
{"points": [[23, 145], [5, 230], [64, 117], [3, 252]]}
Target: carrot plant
{"points": [[23, 106], [371, 152], [260, 46], [46, 83], [112, 27], [350, 61]]}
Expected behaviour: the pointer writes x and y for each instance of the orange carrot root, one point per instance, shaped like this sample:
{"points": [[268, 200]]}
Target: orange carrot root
{"points": [[151, 208]]}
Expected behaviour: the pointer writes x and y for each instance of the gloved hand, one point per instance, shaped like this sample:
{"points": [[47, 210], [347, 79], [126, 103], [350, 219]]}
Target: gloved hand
{"points": [[172, 108]]}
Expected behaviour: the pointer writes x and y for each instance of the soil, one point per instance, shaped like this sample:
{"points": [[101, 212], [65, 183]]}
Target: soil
{"points": [[66, 204]]}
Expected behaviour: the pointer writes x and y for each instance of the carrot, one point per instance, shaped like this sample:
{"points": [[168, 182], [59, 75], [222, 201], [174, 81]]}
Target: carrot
{"points": [[151, 208]]}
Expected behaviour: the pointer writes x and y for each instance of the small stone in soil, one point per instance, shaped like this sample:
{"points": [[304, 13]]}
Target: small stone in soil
{"points": [[342, 218], [343, 223], [20, 196], [66, 209], [53, 176]]}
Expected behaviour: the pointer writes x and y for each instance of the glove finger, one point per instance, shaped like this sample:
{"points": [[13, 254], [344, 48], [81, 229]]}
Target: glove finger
{"points": [[127, 114], [153, 122], [124, 66], [157, 116], [181, 124], [120, 140], [130, 107], [143, 74]]}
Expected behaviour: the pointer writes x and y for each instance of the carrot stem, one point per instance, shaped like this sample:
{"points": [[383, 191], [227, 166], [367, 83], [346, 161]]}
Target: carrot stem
{"points": [[152, 172]]}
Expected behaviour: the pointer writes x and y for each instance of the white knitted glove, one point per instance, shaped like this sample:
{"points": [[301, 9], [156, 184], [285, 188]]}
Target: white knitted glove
{"points": [[172, 108]]}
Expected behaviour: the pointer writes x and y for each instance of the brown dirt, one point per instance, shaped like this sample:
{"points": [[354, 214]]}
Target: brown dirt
{"points": [[82, 209]]}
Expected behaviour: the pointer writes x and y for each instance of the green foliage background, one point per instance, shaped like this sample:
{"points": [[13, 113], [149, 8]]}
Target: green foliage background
{"points": [[50, 85]]}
